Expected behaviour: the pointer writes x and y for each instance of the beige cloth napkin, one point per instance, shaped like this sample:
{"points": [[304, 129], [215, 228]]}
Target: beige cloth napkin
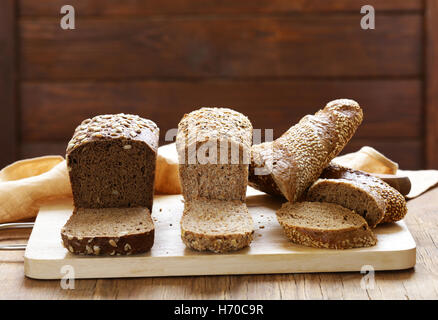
{"points": [[421, 181]]}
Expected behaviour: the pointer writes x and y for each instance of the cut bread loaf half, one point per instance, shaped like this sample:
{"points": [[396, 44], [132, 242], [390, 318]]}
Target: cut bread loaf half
{"points": [[213, 147], [352, 195], [324, 225], [395, 203], [216, 225], [300, 154], [111, 162], [109, 231]]}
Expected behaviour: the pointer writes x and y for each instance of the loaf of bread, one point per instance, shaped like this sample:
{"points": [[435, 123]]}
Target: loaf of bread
{"points": [[213, 147], [350, 194], [395, 203], [296, 159], [324, 225], [200, 136], [111, 162], [109, 231]]}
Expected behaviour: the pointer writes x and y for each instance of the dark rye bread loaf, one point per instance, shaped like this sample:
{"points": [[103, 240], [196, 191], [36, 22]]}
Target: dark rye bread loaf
{"points": [[109, 231], [111, 162], [395, 203], [352, 195], [296, 159], [324, 225]]}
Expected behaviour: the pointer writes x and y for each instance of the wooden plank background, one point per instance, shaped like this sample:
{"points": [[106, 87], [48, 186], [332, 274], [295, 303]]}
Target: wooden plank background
{"points": [[8, 106], [274, 60]]}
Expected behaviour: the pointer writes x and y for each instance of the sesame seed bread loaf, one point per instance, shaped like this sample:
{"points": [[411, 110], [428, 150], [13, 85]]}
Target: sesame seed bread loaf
{"points": [[111, 162], [352, 195], [395, 203], [324, 225], [300, 154], [213, 147], [216, 225], [109, 231]]}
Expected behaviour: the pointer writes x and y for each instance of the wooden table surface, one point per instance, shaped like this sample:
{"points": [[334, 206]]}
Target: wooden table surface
{"points": [[420, 282]]}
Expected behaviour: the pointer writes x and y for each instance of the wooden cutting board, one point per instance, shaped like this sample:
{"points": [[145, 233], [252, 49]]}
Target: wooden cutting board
{"points": [[270, 252]]}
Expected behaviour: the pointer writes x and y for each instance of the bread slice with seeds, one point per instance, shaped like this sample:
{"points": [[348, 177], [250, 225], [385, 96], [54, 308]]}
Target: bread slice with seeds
{"points": [[296, 159], [109, 231], [352, 195], [395, 203], [216, 225], [324, 225]]}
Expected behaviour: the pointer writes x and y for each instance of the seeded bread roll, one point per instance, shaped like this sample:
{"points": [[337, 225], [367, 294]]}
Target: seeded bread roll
{"points": [[109, 231], [215, 215], [395, 203], [216, 225], [200, 136], [111, 162], [352, 195], [324, 225], [300, 154]]}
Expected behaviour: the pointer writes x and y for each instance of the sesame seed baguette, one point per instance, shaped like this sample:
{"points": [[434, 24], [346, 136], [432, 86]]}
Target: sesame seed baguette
{"points": [[352, 195], [296, 159], [395, 203], [215, 215], [324, 225], [109, 231]]}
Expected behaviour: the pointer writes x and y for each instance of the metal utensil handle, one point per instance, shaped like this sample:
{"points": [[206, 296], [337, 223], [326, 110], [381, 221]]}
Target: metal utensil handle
{"points": [[19, 225]]}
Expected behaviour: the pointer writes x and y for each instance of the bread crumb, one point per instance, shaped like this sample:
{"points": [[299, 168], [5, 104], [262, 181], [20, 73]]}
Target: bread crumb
{"points": [[262, 227]]}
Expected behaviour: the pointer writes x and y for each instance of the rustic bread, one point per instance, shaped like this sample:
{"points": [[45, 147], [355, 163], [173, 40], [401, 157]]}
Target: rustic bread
{"points": [[167, 173], [111, 162], [200, 135], [300, 154], [395, 203], [324, 225], [109, 231], [216, 225], [215, 215], [352, 195]]}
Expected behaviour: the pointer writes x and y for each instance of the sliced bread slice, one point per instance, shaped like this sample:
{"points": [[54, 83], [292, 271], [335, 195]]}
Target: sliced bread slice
{"points": [[396, 207], [109, 231], [216, 225], [324, 225], [352, 195]]}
